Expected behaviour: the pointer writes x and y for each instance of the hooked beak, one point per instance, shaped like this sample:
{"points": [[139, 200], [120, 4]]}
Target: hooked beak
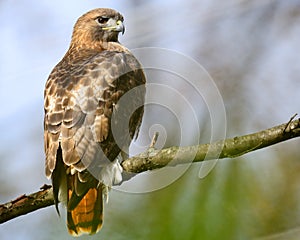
{"points": [[117, 26], [120, 27]]}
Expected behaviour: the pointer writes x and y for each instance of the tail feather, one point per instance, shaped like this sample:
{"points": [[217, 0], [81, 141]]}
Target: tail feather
{"points": [[87, 215]]}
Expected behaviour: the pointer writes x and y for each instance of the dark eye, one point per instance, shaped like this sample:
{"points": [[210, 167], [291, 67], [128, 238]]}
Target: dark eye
{"points": [[102, 20]]}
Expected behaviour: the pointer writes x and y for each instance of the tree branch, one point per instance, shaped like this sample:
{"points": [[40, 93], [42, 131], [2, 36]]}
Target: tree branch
{"points": [[228, 148], [26, 204], [153, 159]]}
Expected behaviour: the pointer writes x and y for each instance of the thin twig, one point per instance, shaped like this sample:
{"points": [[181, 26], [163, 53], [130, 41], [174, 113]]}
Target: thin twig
{"points": [[154, 140], [288, 125]]}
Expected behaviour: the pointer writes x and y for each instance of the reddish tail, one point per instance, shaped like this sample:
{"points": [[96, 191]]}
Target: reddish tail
{"points": [[87, 216]]}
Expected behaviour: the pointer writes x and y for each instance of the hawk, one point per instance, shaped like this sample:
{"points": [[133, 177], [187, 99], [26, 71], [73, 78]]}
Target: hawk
{"points": [[86, 129]]}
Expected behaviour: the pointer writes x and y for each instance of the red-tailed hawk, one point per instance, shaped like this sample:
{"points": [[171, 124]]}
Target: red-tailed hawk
{"points": [[81, 99]]}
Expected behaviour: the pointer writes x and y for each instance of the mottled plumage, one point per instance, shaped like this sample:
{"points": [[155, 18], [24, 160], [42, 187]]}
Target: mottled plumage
{"points": [[81, 97]]}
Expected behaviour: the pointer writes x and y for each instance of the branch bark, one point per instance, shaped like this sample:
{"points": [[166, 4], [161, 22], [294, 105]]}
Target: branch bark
{"points": [[228, 148], [26, 204], [153, 159]]}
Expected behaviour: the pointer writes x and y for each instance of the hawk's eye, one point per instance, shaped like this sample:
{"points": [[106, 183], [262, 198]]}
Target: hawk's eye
{"points": [[102, 20]]}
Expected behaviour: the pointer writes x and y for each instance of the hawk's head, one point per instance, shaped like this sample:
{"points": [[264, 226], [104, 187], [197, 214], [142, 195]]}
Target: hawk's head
{"points": [[98, 25]]}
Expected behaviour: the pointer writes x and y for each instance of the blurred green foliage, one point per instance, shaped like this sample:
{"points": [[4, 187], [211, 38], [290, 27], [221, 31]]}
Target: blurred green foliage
{"points": [[237, 200]]}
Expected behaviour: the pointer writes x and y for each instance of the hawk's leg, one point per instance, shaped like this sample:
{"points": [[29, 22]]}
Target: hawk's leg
{"points": [[110, 174]]}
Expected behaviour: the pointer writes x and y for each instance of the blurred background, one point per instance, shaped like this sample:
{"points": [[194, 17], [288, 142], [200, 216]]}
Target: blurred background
{"points": [[251, 51]]}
